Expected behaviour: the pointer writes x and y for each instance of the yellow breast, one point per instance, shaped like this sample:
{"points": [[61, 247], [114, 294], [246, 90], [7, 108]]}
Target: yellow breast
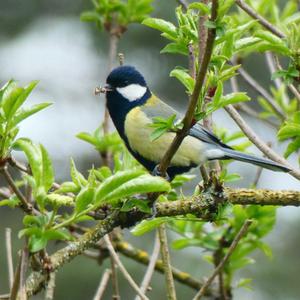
{"points": [[138, 133]]}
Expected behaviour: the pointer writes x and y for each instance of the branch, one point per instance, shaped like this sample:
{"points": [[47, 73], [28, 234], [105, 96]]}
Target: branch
{"points": [[263, 92], [264, 22], [27, 207], [198, 205], [232, 247], [123, 269], [49, 294], [58, 259], [151, 266], [258, 141], [142, 257], [9, 257], [103, 284], [162, 233], [188, 118]]}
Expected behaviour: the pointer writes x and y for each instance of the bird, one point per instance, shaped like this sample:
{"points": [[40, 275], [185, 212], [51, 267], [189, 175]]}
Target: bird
{"points": [[132, 107]]}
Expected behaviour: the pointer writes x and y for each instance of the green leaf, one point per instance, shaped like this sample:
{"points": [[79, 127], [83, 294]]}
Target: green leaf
{"points": [[161, 25], [157, 133], [185, 242], [234, 98], [148, 225], [76, 176], [33, 155], [184, 78], [112, 183], [58, 234], [288, 131], [67, 187], [141, 204], [142, 184], [176, 48], [203, 9], [90, 16], [87, 137], [27, 112], [210, 24], [84, 198], [21, 98], [294, 146], [37, 243], [48, 172], [218, 94]]}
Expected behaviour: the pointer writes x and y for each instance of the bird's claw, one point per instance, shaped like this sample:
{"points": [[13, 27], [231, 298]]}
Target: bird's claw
{"points": [[157, 172]]}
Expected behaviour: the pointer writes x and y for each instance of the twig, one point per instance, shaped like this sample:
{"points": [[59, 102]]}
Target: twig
{"points": [[103, 284], [197, 205], [291, 87], [183, 3], [114, 277], [258, 141], [243, 107], [142, 256], [14, 163], [123, 269], [9, 257], [151, 267], [24, 266], [16, 284], [265, 23], [27, 207], [121, 58], [263, 92], [49, 294], [188, 118], [4, 297], [162, 233], [232, 247]]}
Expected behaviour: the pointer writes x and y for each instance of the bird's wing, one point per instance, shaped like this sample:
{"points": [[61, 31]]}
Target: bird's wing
{"points": [[156, 108], [201, 133]]}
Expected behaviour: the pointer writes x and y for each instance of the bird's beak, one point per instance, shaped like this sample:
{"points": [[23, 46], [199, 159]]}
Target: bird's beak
{"points": [[103, 90]]}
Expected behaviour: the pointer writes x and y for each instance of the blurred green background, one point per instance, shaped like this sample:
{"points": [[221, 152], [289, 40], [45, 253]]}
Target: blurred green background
{"points": [[45, 40]]}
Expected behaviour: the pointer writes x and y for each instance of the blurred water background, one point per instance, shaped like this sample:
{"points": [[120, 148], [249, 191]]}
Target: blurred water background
{"points": [[45, 40]]}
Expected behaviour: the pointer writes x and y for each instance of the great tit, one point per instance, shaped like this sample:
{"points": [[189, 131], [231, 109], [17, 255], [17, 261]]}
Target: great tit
{"points": [[132, 106]]}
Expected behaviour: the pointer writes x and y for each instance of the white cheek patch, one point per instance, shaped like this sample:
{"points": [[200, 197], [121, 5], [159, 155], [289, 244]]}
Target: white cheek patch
{"points": [[132, 92]]}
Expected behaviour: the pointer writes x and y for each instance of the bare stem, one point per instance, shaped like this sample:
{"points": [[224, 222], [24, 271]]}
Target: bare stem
{"points": [[114, 279], [189, 115], [103, 284], [9, 257], [24, 266], [123, 269], [255, 15], [263, 92], [142, 257], [252, 136], [49, 293], [16, 284], [217, 270], [151, 266], [162, 233], [27, 207]]}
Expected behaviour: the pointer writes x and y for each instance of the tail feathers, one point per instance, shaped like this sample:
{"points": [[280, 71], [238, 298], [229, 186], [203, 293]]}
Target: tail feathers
{"points": [[258, 161]]}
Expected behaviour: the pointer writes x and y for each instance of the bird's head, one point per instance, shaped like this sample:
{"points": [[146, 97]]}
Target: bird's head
{"points": [[127, 82]]}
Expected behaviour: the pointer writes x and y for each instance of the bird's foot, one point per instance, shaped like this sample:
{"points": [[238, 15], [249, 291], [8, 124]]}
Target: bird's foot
{"points": [[157, 172]]}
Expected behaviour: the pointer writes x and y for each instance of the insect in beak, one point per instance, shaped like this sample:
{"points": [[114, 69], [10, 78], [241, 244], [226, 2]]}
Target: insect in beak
{"points": [[103, 90]]}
